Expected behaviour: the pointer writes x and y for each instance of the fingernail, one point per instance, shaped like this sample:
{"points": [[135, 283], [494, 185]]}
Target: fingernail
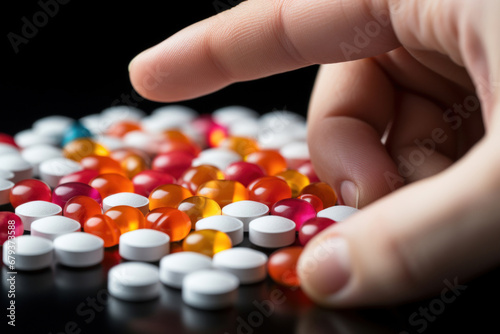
{"points": [[326, 267], [349, 193]]}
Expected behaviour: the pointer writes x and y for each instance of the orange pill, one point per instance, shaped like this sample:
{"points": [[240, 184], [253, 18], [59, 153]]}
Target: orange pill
{"points": [[297, 181], [208, 242], [314, 200], [241, 145], [102, 164], [282, 266], [83, 147], [168, 195], [112, 183], [132, 161], [270, 160], [199, 207], [121, 128], [224, 192], [323, 191], [127, 218], [81, 208], [194, 177], [269, 190], [103, 227], [171, 221]]}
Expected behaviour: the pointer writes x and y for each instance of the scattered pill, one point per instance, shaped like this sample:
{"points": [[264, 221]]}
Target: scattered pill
{"points": [[127, 218], [5, 191], [54, 226], [295, 209], [323, 191], [269, 190], [224, 192], [79, 249], [249, 265], [131, 199], [144, 245], [338, 212], [282, 266], [29, 190], [312, 227], [28, 253], [16, 164], [297, 181], [66, 191], [218, 157], [174, 267], [295, 153], [36, 154], [52, 170], [199, 207], [31, 211], [246, 211], [171, 221], [271, 231], [232, 226], [11, 225], [208, 242], [81, 208], [104, 227], [168, 195], [134, 281], [6, 175]]}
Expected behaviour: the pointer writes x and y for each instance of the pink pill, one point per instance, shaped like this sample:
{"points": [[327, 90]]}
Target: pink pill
{"points": [[312, 227], [64, 192], [295, 209], [11, 226]]}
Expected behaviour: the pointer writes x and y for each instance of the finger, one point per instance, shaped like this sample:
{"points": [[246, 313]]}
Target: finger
{"points": [[413, 242], [259, 38], [351, 106]]}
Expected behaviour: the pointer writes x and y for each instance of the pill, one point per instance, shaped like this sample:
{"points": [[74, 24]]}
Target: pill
{"points": [[30, 253], [36, 154], [11, 226], [174, 267], [230, 114], [224, 192], [323, 191], [199, 207], [218, 157], [16, 164], [75, 131], [272, 231], [248, 128], [295, 153], [112, 183], [232, 226], [271, 161], [66, 191], [337, 212], [208, 242], [52, 170], [8, 149], [6, 175], [246, 211], [115, 114], [312, 227], [249, 265], [31, 211], [295, 209], [282, 266], [54, 226], [5, 188], [168, 117], [134, 281], [144, 245], [134, 200], [78, 249], [53, 126], [28, 137], [210, 289]]}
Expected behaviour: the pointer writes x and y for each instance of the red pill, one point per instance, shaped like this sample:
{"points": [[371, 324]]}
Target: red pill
{"points": [[11, 226], [269, 190], [211, 132], [29, 190], [308, 170], [314, 200], [127, 218], [282, 266], [195, 176], [145, 181], [323, 191], [168, 195], [102, 164], [312, 227], [243, 172], [109, 184], [271, 161], [174, 163], [295, 209], [81, 208], [64, 192], [8, 139], [173, 222], [103, 227], [82, 176]]}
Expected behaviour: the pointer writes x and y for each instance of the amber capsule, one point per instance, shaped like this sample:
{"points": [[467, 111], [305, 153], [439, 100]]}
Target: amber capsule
{"points": [[81, 208], [127, 218], [112, 183], [241, 145], [194, 177], [199, 207], [297, 181], [171, 221], [282, 266], [269, 190], [323, 191], [224, 192], [83, 147], [208, 242], [102, 164], [103, 227], [270, 160], [168, 195]]}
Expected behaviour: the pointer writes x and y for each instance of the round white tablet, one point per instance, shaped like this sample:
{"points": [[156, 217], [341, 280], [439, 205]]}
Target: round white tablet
{"points": [[246, 211], [29, 253], [31, 211], [210, 289], [130, 199], [54, 226], [16, 164], [218, 157], [6, 175], [52, 170], [36, 154], [54, 126], [8, 149], [272, 231], [232, 226], [249, 265], [134, 281], [230, 114], [337, 212], [144, 245], [29, 137], [5, 187], [295, 153], [174, 267], [79, 249]]}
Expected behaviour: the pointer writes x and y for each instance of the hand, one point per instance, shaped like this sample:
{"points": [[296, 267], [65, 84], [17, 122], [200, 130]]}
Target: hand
{"points": [[416, 105]]}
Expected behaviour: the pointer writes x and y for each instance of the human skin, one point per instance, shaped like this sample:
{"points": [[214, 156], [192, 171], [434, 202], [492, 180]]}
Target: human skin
{"points": [[426, 218]]}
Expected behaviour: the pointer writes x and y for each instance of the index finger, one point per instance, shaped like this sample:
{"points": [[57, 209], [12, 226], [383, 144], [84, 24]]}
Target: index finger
{"points": [[259, 38]]}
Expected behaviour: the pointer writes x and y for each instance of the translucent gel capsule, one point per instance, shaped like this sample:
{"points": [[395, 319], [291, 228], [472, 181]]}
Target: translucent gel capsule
{"points": [[194, 177], [308, 170], [146, 180], [174, 140], [29, 190], [121, 128], [269, 190], [270, 160], [224, 192], [82, 176], [83, 147], [103, 227], [81, 208], [199, 207], [64, 192], [241, 145], [168, 195], [282, 266], [171, 221], [295, 209], [323, 191], [174, 163], [295, 180], [243, 172], [11, 226], [76, 131], [102, 164], [109, 184], [207, 242], [127, 218], [211, 132], [312, 227], [315, 201], [131, 160]]}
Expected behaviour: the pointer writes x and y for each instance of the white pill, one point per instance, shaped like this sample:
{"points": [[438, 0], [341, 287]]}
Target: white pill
{"points": [[7, 149], [29, 253], [231, 114], [249, 265], [246, 211], [6, 175], [295, 153], [232, 226], [54, 126], [134, 281], [272, 231], [337, 212], [36, 154], [5, 187], [245, 128], [174, 267], [169, 117], [53, 226], [52, 170], [144, 245], [28, 137], [111, 143], [16, 164], [130, 199], [218, 157], [115, 114], [79, 249], [144, 141], [93, 123], [210, 289], [31, 211]]}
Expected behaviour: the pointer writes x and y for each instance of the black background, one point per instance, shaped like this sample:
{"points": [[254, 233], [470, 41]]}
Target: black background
{"points": [[76, 64]]}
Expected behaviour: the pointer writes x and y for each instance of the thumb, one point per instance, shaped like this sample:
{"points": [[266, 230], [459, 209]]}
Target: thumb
{"points": [[412, 242]]}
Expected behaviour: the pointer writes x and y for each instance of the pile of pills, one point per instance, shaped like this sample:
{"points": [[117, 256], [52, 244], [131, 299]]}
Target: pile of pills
{"points": [[175, 191]]}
